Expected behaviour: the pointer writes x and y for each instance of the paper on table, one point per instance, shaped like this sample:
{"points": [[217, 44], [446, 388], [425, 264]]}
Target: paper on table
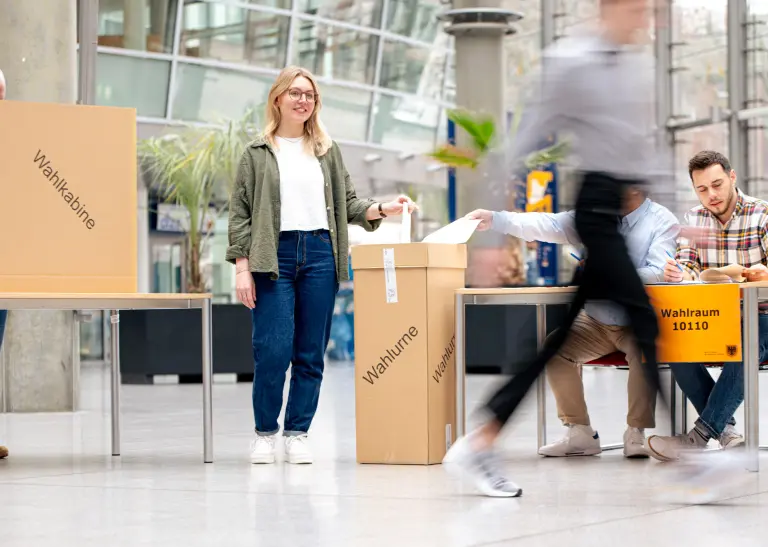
{"points": [[683, 282], [458, 231]]}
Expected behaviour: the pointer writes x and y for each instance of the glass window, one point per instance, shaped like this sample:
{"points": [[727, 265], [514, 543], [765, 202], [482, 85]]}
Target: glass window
{"points": [[410, 69], [405, 123], [573, 15], [345, 112], [416, 19], [335, 52], [757, 56], [699, 59], [143, 25], [450, 81], [364, 13], [280, 4], [234, 35], [133, 82], [212, 94]]}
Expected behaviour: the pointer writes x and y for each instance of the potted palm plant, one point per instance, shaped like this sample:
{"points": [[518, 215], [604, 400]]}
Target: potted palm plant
{"points": [[194, 168]]}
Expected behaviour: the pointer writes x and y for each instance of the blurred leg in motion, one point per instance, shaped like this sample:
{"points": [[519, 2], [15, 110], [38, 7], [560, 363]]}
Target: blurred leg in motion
{"points": [[608, 274]]}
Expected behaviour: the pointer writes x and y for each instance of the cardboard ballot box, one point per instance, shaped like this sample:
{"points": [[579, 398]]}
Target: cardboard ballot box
{"points": [[68, 213], [404, 350]]}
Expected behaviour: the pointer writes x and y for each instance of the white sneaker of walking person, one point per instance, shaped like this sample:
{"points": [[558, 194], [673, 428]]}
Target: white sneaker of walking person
{"points": [[481, 468], [634, 443], [579, 440], [668, 449], [263, 449], [297, 449], [731, 438]]}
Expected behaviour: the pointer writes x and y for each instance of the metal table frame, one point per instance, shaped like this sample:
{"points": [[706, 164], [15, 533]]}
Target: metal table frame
{"points": [[114, 303], [752, 293]]}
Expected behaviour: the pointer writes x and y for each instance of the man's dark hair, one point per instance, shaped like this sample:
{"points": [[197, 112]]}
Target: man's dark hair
{"points": [[707, 158]]}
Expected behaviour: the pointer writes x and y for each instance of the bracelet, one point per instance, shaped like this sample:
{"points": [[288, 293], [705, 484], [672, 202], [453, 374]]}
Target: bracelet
{"points": [[381, 212]]}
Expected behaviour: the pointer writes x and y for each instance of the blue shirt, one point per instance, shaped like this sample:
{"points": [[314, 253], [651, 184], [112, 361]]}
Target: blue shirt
{"points": [[650, 231]]}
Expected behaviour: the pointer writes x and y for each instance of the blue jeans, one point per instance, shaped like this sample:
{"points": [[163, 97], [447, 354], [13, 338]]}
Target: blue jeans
{"points": [[3, 318], [716, 402], [291, 325]]}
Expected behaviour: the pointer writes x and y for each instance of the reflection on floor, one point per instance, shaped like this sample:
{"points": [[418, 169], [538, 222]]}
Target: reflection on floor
{"points": [[60, 486]]}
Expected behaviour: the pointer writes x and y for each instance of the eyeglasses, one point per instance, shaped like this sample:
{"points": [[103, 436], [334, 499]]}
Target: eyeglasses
{"points": [[295, 94]]}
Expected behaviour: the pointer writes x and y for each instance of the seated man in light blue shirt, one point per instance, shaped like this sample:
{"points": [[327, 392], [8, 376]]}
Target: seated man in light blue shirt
{"points": [[650, 231]]}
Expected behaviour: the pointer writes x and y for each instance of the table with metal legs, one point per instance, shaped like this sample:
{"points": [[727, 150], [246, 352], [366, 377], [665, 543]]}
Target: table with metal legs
{"points": [[541, 297], [131, 301]]}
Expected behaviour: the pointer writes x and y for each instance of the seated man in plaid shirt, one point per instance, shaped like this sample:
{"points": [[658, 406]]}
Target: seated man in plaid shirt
{"points": [[739, 235]]}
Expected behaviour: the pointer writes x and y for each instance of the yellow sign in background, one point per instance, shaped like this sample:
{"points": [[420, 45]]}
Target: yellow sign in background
{"points": [[697, 323], [537, 200]]}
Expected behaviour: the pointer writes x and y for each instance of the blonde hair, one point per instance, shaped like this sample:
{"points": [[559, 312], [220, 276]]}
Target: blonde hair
{"points": [[318, 141]]}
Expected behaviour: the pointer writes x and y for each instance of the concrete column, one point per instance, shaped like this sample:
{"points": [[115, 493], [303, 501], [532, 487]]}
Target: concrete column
{"points": [[737, 90], [135, 25], [665, 192], [38, 56], [479, 28]]}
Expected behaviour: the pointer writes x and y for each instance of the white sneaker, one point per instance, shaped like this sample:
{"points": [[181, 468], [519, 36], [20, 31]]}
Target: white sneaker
{"points": [[731, 438], [481, 468], [634, 443], [263, 449], [297, 449], [579, 440], [668, 449]]}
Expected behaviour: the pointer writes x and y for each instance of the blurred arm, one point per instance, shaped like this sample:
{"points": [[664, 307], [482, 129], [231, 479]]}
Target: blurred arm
{"points": [[549, 227], [664, 241]]}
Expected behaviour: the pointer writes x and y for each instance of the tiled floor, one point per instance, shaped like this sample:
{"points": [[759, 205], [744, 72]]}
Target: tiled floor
{"points": [[60, 487]]}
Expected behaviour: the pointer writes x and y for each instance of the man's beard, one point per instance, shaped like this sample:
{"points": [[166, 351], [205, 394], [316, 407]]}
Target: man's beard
{"points": [[726, 204]]}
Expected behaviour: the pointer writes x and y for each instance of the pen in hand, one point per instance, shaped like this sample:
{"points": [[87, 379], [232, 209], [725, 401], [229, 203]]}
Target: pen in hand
{"points": [[577, 260], [679, 267]]}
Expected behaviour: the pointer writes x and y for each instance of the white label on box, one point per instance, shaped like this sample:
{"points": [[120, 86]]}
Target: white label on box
{"points": [[390, 280], [448, 438]]}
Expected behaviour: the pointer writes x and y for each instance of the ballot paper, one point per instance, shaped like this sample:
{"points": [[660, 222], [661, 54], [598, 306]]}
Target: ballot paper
{"points": [[458, 231]]}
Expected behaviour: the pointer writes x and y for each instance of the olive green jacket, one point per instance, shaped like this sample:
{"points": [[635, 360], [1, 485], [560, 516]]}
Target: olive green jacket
{"points": [[254, 209]]}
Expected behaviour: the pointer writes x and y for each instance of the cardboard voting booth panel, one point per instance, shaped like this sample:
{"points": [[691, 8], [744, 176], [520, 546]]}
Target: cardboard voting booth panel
{"points": [[68, 213], [405, 387]]}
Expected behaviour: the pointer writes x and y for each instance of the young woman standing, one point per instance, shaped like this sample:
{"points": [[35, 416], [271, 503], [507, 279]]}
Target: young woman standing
{"points": [[288, 218]]}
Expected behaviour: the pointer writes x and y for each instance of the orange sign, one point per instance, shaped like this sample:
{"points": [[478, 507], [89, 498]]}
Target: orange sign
{"points": [[697, 323]]}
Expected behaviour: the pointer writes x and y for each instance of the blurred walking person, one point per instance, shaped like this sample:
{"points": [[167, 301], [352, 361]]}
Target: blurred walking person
{"points": [[599, 88]]}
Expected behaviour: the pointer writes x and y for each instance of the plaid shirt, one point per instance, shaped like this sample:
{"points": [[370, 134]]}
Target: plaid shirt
{"points": [[742, 240]]}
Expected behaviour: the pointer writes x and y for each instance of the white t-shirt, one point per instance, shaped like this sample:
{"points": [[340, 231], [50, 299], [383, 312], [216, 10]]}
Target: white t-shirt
{"points": [[302, 192]]}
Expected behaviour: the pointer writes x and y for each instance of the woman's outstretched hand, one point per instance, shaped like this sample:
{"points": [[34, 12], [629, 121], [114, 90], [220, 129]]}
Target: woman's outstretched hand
{"points": [[395, 207]]}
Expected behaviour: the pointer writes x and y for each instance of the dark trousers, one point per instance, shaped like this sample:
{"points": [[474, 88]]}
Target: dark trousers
{"points": [[291, 326], [608, 274], [3, 318]]}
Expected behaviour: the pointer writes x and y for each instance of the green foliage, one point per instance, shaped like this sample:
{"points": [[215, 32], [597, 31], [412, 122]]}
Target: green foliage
{"points": [[482, 130], [480, 127], [194, 168], [449, 154]]}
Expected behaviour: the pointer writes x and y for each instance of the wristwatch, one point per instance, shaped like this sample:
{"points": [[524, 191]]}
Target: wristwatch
{"points": [[381, 212]]}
